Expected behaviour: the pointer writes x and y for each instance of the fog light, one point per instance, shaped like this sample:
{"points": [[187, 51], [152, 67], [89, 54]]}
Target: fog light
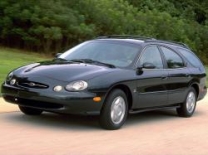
{"points": [[13, 81], [58, 88], [97, 99]]}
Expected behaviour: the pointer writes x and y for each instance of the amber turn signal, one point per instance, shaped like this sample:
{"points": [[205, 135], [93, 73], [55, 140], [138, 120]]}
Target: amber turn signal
{"points": [[97, 99]]}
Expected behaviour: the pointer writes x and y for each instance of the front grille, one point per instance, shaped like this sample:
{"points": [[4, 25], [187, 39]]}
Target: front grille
{"points": [[31, 84], [22, 82]]}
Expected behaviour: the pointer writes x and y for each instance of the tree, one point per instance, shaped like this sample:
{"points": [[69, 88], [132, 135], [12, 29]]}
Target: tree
{"points": [[54, 25]]}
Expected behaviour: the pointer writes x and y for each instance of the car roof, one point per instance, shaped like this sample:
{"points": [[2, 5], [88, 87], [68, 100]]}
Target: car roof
{"points": [[141, 40]]}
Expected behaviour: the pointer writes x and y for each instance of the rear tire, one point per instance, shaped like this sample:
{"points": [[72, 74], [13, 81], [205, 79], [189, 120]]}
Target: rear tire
{"points": [[188, 107], [30, 111], [114, 112]]}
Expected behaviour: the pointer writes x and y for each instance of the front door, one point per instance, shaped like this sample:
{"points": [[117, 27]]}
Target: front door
{"points": [[151, 83]]}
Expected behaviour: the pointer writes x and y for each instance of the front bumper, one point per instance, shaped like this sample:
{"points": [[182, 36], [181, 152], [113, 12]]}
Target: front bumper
{"points": [[58, 102]]}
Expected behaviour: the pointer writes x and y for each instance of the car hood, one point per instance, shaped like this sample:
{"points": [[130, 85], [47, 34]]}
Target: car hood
{"points": [[64, 71]]}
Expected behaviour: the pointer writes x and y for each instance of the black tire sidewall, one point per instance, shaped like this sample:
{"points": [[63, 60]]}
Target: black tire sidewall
{"points": [[105, 118], [182, 111], [191, 90]]}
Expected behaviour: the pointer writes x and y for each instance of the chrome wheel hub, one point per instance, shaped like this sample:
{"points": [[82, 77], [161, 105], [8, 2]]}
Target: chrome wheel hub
{"points": [[190, 102], [118, 109]]}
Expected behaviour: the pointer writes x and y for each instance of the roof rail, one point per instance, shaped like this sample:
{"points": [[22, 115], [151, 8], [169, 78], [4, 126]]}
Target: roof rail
{"points": [[126, 37], [146, 39], [169, 42]]}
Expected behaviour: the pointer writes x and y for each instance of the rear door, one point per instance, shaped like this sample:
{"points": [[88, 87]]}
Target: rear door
{"points": [[178, 76]]}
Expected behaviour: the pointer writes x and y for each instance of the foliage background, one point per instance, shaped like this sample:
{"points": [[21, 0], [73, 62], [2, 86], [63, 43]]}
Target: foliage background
{"points": [[55, 25]]}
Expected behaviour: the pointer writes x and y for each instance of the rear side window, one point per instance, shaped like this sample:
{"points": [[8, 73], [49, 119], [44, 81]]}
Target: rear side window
{"points": [[173, 59], [191, 57]]}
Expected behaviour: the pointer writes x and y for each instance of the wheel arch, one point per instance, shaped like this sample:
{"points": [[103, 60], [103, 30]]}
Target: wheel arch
{"points": [[127, 92]]}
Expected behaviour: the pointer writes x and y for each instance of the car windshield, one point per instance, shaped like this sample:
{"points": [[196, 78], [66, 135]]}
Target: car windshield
{"points": [[103, 52]]}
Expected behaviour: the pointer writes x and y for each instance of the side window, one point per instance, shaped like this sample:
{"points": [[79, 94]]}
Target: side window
{"points": [[173, 59], [151, 55], [190, 57]]}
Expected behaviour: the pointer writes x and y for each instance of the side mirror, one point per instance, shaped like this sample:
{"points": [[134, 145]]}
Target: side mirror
{"points": [[146, 65]]}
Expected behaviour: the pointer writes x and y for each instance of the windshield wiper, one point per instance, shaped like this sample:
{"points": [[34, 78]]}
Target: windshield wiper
{"points": [[93, 62], [59, 59]]}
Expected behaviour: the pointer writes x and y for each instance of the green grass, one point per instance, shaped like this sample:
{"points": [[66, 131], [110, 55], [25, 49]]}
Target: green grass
{"points": [[12, 58]]}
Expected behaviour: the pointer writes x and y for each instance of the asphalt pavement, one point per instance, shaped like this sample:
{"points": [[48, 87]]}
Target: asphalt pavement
{"points": [[150, 133]]}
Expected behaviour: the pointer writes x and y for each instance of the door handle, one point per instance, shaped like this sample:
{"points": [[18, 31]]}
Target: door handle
{"points": [[164, 77]]}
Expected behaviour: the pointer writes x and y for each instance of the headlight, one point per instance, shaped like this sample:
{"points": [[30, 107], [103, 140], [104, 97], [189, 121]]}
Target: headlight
{"points": [[76, 86], [10, 76]]}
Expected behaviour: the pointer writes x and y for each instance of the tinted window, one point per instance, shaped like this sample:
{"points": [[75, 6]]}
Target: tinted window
{"points": [[151, 55], [172, 58], [190, 57]]}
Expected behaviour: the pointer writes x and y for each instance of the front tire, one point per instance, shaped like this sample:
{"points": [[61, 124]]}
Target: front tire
{"points": [[114, 112], [30, 111], [188, 107]]}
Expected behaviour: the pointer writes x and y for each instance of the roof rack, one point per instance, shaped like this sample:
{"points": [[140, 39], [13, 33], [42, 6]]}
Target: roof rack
{"points": [[146, 39], [126, 37], [169, 42]]}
